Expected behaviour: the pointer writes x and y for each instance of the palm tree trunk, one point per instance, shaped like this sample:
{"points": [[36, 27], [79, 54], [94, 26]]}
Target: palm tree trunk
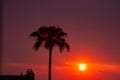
{"points": [[50, 63]]}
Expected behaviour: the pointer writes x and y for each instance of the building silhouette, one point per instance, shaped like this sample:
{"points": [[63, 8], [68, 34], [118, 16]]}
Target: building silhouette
{"points": [[28, 76]]}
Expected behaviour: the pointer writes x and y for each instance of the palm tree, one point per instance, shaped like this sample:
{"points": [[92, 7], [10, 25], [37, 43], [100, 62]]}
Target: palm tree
{"points": [[51, 36]]}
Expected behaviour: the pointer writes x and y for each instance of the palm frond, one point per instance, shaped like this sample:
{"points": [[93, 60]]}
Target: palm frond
{"points": [[43, 29], [61, 43], [62, 34], [67, 45], [52, 36], [37, 45], [34, 34]]}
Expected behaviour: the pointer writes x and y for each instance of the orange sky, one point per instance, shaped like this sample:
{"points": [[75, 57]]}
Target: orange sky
{"points": [[69, 70], [93, 34]]}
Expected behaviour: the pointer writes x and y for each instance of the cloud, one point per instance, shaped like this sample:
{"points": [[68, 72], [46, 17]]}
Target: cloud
{"points": [[100, 67]]}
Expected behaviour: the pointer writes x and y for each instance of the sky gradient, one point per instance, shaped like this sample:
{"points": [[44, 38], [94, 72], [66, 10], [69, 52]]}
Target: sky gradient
{"points": [[93, 28]]}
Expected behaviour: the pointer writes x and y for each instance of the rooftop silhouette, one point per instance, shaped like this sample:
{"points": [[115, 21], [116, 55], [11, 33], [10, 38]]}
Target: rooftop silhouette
{"points": [[28, 76]]}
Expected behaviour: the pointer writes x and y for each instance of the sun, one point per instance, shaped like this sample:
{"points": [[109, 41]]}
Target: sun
{"points": [[82, 67]]}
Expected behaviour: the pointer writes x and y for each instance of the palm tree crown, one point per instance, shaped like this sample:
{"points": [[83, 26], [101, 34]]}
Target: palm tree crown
{"points": [[51, 36]]}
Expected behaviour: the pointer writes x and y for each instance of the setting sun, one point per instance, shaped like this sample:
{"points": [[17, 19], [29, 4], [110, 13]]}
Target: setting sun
{"points": [[82, 67]]}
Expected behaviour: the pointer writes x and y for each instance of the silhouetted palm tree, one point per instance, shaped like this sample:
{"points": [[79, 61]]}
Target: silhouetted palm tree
{"points": [[51, 36]]}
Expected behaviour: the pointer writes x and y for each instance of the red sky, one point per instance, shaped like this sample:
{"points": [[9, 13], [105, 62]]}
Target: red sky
{"points": [[93, 33]]}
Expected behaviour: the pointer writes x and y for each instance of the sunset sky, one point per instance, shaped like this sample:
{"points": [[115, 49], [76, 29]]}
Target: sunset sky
{"points": [[93, 28]]}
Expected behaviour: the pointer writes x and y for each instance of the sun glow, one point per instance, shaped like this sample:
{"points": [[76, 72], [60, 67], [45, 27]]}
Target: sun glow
{"points": [[82, 67]]}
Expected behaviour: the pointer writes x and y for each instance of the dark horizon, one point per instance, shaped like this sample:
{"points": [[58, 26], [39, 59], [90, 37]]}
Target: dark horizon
{"points": [[21, 76]]}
